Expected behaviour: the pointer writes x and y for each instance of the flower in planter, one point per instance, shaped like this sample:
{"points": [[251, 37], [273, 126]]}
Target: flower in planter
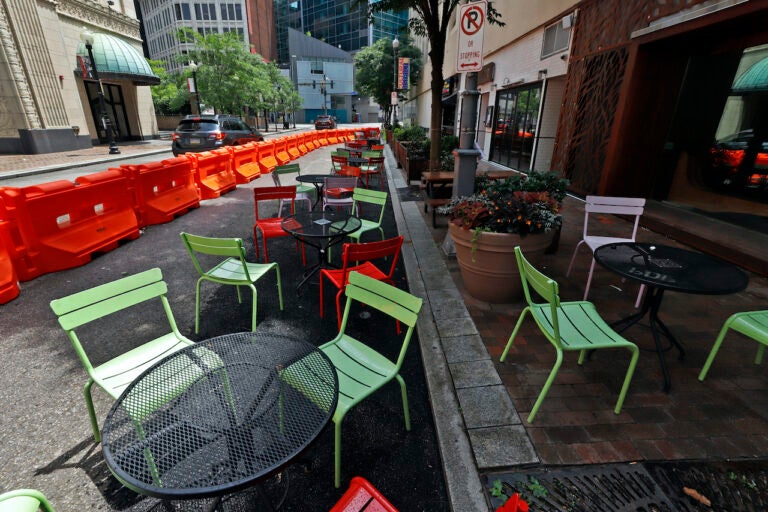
{"points": [[518, 204]]}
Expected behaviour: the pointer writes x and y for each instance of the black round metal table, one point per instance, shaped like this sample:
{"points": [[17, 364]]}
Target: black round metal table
{"points": [[321, 230], [661, 268], [219, 416], [318, 180]]}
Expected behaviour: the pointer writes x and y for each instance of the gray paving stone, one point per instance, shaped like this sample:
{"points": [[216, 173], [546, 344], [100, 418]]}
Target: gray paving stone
{"points": [[497, 447], [474, 374], [487, 406], [461, 349]]}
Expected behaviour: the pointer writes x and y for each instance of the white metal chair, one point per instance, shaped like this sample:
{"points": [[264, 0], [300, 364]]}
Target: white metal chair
{"points": [[337, 191], [614, 206]]}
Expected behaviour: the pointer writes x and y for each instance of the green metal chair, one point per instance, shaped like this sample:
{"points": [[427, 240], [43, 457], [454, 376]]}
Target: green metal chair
{"points": [[569, 326], [89, 305], [753, 324], [24, 500], [362, 370], [304, 192], [360, 198], [232, 271]]}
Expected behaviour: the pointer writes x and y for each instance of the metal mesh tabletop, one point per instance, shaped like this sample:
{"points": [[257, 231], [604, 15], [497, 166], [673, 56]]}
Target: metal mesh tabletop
{"points": [[322, 224], [219, 415], [672, 268]]}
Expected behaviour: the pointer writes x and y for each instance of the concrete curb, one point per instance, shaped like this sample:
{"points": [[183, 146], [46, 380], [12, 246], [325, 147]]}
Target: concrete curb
{"points": [[476, 423]]}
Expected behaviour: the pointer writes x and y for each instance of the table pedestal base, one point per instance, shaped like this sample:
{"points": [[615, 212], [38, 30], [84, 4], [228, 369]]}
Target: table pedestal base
{"points": [[651, 305]]}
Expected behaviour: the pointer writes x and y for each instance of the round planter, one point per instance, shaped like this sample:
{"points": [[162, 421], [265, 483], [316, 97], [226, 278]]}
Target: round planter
{"points": [[490, 272]]}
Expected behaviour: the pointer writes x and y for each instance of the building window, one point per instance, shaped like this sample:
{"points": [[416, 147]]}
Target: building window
{"points": [[556, 37], [515, 127], [182, 11]]}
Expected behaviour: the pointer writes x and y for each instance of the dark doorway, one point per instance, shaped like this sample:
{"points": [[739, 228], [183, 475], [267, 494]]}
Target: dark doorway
{"points": [[118, 117]]}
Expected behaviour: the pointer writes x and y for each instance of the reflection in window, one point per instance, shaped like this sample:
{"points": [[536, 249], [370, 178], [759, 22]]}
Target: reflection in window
{"points": [[516, 122]]}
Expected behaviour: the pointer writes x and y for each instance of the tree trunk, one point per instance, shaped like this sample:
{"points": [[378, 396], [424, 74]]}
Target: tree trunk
{"points": [[436, 56]]}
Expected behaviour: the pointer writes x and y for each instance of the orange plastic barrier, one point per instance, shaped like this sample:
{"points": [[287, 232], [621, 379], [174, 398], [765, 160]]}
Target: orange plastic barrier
{"points": [[281, 151], [346, 135], [333, 137], [9, 281], [309, 140], [61, 224], [245, 162], [267, 160], [15, 245], [293, 147], [322, 137], [362, 495], [162, 190], [213, 172], [300, 145]]}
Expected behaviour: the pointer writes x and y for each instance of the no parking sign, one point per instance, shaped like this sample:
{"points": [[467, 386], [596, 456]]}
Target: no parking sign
{"points": [[471, 28]]}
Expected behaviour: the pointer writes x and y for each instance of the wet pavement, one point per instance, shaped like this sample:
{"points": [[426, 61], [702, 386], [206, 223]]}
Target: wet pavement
{"points": [[478, 404]]}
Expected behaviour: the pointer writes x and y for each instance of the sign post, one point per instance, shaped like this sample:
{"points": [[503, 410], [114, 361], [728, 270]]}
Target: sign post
{"points": [[472, 26]]}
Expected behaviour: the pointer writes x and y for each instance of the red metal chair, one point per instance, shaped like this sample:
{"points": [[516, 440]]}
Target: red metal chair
{"points": [[352, 255], [375, 167], [362, 496], [270, 227], [337, 161]]}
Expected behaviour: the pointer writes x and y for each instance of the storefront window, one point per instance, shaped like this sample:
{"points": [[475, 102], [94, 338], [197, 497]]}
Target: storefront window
{"points": [[516, 122]]}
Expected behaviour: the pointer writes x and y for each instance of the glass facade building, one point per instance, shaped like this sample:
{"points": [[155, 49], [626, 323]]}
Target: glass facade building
{"points": [[335, 22]]}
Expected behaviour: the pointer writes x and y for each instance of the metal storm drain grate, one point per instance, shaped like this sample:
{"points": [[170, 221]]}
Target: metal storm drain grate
{"points": [[641, 487]]}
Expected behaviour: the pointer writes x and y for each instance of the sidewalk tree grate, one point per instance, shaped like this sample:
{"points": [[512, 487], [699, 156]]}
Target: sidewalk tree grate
{"points": [[641, 487]]}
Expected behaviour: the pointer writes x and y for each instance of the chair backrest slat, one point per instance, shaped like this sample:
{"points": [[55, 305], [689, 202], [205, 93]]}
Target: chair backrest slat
{"points": [[384, 297], [368, 251], [613, 205], [88, 305]]}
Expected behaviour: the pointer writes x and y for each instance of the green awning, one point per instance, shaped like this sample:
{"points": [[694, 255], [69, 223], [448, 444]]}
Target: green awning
{"points": [[755, 79], [116, 59]]}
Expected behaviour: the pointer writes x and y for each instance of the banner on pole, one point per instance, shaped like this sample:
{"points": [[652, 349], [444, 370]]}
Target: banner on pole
{"points": [[403, 72]]}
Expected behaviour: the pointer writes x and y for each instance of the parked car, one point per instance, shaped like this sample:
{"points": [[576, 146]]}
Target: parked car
{"points": [[207, 132], [726, 172], [325, 123]]}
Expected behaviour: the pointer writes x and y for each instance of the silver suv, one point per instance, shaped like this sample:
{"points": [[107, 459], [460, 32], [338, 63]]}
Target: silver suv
{"points": [[208, 132]]}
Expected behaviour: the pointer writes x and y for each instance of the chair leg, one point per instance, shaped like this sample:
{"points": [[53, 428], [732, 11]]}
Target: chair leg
{"points": [[322, 302], [547, 385], [627, 379], [279, 286], [404, 396], [197, 306], [92, 411], [640, 293], [338, 307], [514, 333], [715, 348], [254, 307], [573, 257], [337, 451], [589, 278], [256, 241]]}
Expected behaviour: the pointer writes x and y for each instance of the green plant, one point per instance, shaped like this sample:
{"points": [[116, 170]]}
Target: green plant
{"points": [[412, 133], [518, 204]]}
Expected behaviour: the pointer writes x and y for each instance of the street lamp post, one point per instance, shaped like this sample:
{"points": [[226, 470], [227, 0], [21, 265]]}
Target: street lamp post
{"points": [[323, 90], [193, 66], [395, 48], [87, 38]]}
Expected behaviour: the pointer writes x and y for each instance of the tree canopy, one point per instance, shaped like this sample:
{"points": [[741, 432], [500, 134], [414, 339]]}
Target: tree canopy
{"points": [[375, 69], [431, 21]]}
